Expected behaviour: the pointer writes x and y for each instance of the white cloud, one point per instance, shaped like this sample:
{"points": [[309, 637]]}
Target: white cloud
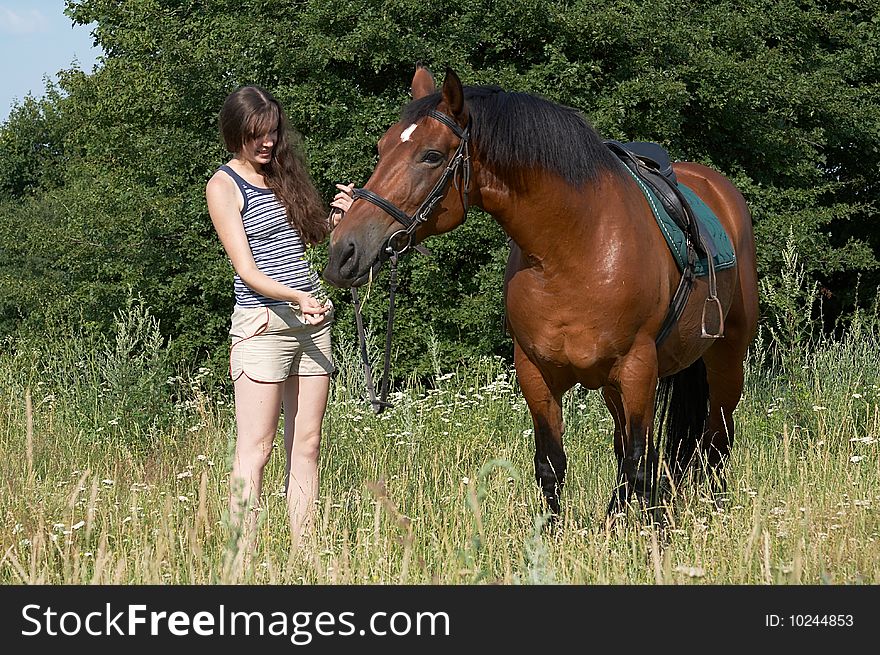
{"points": [[22, 22]]}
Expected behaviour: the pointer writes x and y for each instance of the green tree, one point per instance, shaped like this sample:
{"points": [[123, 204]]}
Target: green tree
{"points": [[102, 179]]}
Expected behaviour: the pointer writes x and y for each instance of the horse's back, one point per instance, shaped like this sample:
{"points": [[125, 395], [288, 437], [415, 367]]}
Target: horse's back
{"points": [[726, 201], [729, 205]]}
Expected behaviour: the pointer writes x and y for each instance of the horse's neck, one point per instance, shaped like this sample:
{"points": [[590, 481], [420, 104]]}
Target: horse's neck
{"points": [[550, 215]]}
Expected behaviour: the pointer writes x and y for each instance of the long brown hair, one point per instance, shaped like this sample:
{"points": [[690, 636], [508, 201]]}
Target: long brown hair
{"points": [[251, 111]]}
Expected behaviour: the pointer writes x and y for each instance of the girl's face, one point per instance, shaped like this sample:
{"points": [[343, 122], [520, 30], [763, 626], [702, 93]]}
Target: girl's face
{"points": [[258, 151]]}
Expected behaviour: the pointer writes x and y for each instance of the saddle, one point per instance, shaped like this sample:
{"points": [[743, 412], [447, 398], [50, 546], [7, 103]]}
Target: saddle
{"points": [[651, 164]]}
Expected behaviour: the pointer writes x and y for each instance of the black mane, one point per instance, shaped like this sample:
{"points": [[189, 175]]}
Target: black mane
{"points": [[515, 132]]}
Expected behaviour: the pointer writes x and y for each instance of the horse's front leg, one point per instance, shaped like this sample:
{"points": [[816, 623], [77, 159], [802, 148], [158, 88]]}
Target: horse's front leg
{"points": [[635, 381], [546, 409], [614, 403]]}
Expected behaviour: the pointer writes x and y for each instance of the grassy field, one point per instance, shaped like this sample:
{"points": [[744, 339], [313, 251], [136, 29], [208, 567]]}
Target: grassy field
{"points": [[115, 468]]}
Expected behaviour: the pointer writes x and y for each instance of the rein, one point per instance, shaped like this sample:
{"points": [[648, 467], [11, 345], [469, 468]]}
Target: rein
{"points": [[459, 172]]}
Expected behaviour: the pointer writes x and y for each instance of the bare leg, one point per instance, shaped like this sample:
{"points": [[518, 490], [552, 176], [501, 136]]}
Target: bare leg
{"points": [[305, 401], [257, 407]]}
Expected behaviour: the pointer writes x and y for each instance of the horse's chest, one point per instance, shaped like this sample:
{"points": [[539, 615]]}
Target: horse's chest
{"points": [[540, 343], [548, 331]]}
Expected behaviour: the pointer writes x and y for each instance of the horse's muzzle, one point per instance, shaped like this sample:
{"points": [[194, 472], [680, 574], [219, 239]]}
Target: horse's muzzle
{"points": [[347, 267]]}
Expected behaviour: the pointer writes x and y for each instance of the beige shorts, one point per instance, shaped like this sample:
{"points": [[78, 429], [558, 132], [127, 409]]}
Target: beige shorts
{"points": [[270, 344]]}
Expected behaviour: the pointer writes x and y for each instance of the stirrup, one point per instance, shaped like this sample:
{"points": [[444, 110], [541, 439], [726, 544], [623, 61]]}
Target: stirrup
{"points": [[720, 333]]}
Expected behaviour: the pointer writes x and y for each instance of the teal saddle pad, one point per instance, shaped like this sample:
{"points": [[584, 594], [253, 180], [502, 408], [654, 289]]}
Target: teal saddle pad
{"points": [[725, 256]]}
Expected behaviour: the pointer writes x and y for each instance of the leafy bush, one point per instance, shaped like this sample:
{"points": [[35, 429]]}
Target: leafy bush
{"points": [[102, 180]]}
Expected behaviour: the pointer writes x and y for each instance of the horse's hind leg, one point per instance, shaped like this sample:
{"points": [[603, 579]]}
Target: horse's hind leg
{"points": [[546, 409], [724, 373]]}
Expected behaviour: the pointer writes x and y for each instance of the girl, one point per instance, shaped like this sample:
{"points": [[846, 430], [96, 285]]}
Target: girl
{"points": [[266, 210]]}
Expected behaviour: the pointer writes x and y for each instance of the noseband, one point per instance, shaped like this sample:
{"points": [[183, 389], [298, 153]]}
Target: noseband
{"points": [[459, 171]]}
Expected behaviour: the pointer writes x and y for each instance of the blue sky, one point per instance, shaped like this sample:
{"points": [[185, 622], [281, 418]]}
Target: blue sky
{"points": [[36, 41]]}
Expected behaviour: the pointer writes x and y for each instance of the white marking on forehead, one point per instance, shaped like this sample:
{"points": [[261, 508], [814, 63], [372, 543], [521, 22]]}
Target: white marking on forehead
{"points": [[407, 133]]}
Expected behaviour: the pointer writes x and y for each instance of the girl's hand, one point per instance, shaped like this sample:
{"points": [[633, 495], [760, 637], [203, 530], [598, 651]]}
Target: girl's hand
{"points": [[313, 312], [341, 202]]}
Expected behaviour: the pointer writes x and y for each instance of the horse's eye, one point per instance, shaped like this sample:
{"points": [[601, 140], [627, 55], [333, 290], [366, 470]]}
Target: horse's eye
{"points": [[432, 157]]}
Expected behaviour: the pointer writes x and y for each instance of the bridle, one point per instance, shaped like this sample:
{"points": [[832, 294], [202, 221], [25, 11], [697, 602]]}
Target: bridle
{"points": [[458, 171]]}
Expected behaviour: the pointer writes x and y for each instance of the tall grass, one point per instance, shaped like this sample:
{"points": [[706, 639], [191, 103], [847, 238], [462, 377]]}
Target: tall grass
{"points": [[115, 469]]}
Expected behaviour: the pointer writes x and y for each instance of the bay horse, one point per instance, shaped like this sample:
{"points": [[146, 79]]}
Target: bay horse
{"points": [[589, 279]]}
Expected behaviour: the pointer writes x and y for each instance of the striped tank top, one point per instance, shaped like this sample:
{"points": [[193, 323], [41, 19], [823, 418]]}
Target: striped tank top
{"points": [[277, 248]]}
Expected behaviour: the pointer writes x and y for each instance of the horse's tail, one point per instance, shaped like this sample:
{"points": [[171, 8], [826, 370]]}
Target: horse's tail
{"points": [[682, 408]]}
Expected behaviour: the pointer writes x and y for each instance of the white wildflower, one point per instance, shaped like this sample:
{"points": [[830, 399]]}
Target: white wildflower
{"points": [[691, 571]]}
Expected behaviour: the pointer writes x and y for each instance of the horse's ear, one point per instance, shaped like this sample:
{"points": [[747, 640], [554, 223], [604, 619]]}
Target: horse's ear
{"points": [[453, 93], [422, 83]]}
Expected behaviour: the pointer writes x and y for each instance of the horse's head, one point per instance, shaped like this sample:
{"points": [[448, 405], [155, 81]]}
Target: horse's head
{"points": [[418, 188]]}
